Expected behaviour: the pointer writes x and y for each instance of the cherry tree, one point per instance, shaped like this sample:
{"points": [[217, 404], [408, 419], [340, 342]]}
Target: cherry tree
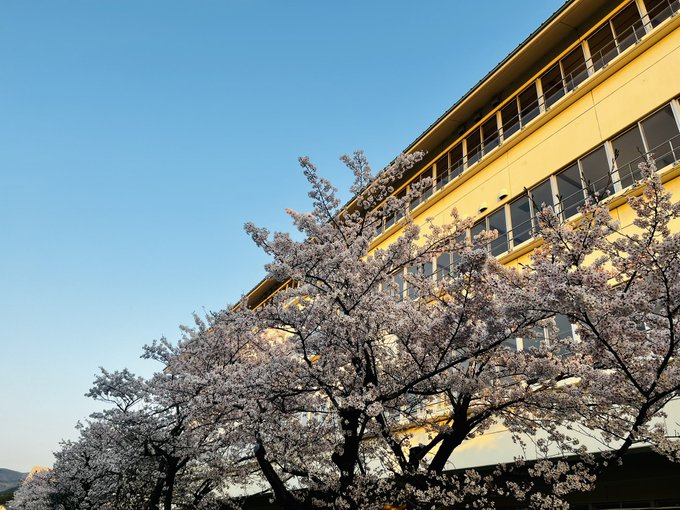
{"points": [[357, 383], [362, 394]]}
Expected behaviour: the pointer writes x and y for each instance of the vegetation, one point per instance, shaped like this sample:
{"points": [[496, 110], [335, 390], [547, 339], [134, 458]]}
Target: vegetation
{"points": [[342, 392]]}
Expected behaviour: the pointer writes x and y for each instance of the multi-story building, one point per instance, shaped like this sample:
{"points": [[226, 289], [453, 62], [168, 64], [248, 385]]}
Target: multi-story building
{"points": [[568, 114]]}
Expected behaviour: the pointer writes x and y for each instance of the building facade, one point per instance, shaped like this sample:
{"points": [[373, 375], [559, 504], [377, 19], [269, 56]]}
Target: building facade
{"points": [[568, 114]]}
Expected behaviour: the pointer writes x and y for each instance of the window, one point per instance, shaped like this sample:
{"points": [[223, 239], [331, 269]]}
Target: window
{"points": [[456, 159], [659, 10], [398, 280], [477, 229], [426, 192], [460, 241], [443, 172], [564, 327], [473, 143], [520, 218], [528, 104], [596, 174], [628, 150], [490, 134], [541, 196], [574, 68], [510, 118], [661, 134], [400, 212], [628, 27], [569, 190], [602, 47], [443, 265], [443, 175], [534, 340], [415, 272], [496, 221], [553, 87]]}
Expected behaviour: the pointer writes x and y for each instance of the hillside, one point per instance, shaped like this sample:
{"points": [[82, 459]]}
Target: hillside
{"points": [[10, 479]]}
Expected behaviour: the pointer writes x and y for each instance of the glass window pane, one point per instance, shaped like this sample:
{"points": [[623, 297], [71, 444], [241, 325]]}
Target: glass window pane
{"points": [[628, 150], [541, 196], [460, 241], [534, 342], [443, 169], [477, 229], [414, 272], [563, 326], [400, 196], [661, 134], [389, 221], [426, 192], [490, 134], [473, 147], [456, 160], [596, 174], [602, 47], [520, 218], [510, 118], [660, 10], [570, 190], [497, 222], [628, 26], [574, 67], [455, 165], [528, 103], [398, 279], [443, 265], [553, 88]]}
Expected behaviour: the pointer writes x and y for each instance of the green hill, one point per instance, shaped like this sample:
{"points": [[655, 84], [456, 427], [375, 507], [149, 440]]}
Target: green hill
{"points": [[10, 480]]}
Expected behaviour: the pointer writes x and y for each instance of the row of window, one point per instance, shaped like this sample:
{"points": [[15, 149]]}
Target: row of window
{"points": [[616, 35], [607, 169]]}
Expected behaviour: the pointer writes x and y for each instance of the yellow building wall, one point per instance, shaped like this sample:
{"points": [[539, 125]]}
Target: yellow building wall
{"points": [[641, 80]]}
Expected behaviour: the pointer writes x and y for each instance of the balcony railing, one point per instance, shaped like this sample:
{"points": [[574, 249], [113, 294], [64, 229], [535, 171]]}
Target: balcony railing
{"points": [[550, 96]]}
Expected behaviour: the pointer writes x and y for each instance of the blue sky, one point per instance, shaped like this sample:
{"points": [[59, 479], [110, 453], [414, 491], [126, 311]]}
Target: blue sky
{"points": [[137, 136]]}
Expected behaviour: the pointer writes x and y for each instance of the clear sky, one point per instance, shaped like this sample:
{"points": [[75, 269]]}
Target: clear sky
{"points": [[137, 136]]}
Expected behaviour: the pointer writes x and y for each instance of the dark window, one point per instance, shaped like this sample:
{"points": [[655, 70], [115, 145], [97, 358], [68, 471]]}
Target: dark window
{"points": [[401, 211], [602, 47], [490, 134], [570, 190], [443, 265], [460, 241], [563, 326], [520, 219], [534, 342], [574, 68], [628, 150], [417, 272], [477, 229], [497, 222], [528, 104], [473, 147], [454, 165], [426, 191], [628, 27], [399, 284], [443, 169], [553, 87], [541, 196], [661, 133], [659, 10], [596, 175], [456, 160], [510, 118], [389, 221]]}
